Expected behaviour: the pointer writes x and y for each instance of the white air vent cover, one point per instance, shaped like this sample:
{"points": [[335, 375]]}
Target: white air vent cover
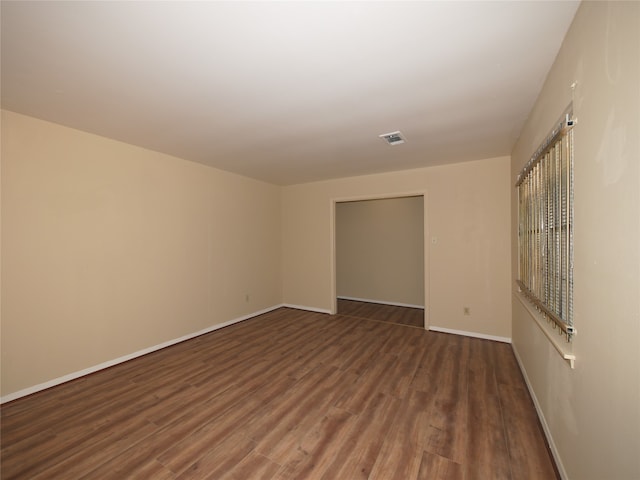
{"points": [[393, 138]]}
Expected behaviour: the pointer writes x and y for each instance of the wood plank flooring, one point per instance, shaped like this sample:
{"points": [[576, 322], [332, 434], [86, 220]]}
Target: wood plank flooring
{"points": [[288, 395], [413, 317]]}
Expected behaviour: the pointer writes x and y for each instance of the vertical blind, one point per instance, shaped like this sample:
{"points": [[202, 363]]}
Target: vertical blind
{"points": [[545, 227]]}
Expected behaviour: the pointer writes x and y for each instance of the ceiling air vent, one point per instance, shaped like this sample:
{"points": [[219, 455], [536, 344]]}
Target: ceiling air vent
{"points": [[393, 138]]}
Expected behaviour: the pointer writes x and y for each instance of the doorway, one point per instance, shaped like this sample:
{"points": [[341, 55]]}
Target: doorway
{"points": [[380, 258]]}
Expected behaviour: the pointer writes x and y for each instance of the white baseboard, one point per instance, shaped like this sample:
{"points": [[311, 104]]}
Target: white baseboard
{"points": [[543, 421], [380, 302], [309, 309], [471, 334], [116, 361]]}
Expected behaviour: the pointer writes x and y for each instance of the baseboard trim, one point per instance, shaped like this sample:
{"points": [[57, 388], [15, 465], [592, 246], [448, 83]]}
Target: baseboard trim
{"points": [[125, 358], [308, 309], [543, 421], [471, 334], [380, 302]]}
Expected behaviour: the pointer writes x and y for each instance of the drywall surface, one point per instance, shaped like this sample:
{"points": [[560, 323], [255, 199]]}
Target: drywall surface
{"points": [[467, 238], [593, 412], [108, 249]]}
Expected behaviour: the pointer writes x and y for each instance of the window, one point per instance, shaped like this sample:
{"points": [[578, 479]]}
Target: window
{"points": [[545, 227]]}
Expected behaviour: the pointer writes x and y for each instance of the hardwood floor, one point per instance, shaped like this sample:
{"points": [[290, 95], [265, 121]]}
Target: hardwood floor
{"points": [[413, 317], [288, 395]]}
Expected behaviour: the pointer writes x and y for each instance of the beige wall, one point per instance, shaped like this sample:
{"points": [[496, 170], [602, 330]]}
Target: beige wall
{"points": [[593, 412], [467, 211], [380, 250], [108, 249]]}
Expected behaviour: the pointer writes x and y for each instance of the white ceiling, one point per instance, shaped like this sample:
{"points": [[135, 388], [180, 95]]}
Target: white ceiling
{"points": [[286, 92]]}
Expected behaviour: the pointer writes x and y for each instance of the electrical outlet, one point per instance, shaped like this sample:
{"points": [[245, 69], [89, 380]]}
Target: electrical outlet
{"points": [[466, 310]]}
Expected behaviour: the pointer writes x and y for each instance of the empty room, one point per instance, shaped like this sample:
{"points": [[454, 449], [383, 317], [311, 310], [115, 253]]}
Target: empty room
{"points": [[320, 240]]}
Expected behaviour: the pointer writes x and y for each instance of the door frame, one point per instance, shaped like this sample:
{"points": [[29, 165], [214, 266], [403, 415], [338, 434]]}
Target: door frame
{"points": [[425, 224]]}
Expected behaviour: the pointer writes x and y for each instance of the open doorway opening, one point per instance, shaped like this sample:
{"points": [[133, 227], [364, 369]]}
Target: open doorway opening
{"points": [[379, 246]]}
